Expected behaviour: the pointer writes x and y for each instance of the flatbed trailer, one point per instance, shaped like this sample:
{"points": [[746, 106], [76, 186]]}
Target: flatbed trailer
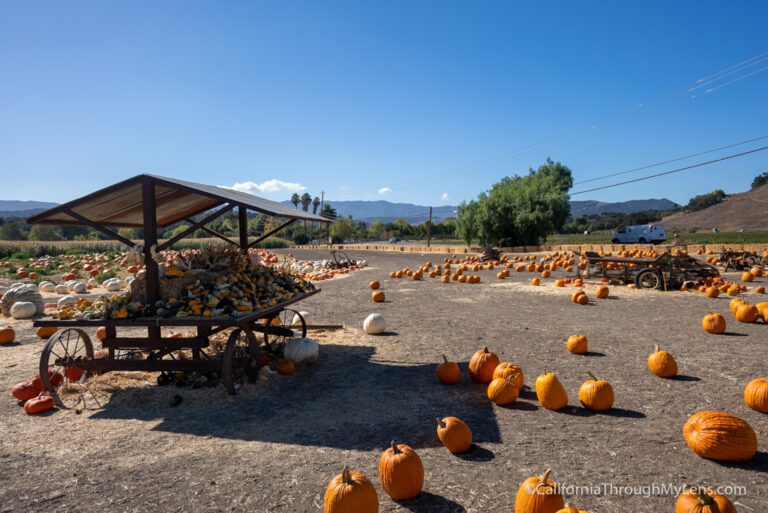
{"points": [[665, 272]]}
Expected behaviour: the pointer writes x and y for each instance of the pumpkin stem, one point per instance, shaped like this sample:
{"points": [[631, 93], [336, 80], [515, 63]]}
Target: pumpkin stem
{"points": [[445, 360], [441, 423], [485, 350], [704, 498], [592, 376], [395, 448], [543, 479], [656, 348], [346, 476], [509, 378]]}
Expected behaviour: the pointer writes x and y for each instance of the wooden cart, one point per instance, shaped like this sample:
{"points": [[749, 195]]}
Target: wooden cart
{"points": [[668, 271], [149, 202]]}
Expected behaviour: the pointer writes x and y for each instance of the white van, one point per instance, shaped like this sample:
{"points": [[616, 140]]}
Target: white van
{"points": [[643, 234]]}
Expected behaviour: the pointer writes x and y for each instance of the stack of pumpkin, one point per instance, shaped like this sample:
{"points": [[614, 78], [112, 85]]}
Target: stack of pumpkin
{"points": [[31, 394]]}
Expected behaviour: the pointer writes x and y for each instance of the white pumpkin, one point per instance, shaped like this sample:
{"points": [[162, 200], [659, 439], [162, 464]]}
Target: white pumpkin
{"points": [[46, 286], [23, 310], [113, 284], [296, 322], [374, 324], [21, 293], [71, 284], [80, 288], [301, 350], [93, 282], [61, 289], [66, 300]]}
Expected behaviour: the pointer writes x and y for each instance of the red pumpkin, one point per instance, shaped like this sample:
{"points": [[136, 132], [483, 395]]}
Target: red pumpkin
{"points": [[24, 391], [39, 404]]}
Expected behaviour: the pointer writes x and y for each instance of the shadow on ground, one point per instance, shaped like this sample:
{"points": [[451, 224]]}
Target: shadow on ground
{"points": [[345, 400]]}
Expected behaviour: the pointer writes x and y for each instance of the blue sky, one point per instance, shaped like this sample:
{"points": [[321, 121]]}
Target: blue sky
{"points": [[421, 102]]}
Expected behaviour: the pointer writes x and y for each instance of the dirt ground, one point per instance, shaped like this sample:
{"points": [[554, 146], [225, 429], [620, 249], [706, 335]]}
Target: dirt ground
{"points": [[275, 445]]}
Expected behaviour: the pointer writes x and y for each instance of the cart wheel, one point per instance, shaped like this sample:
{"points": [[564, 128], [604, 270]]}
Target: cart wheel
{"points": [[284, 319], [57, 356], [240, 359], [649, 279]]}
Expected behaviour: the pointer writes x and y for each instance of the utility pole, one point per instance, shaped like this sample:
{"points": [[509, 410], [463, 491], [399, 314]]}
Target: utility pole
{"points": [[429, 227]]}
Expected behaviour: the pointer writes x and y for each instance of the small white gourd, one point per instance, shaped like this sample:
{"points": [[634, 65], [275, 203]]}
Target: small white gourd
{"points": [[66, 300], [61, 289], [374, 324], [297, 323], [80, 288]]}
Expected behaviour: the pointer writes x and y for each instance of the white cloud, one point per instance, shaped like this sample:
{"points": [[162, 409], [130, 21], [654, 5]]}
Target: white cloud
{"points": [[269, 186], [446, 196], [385, 190]]}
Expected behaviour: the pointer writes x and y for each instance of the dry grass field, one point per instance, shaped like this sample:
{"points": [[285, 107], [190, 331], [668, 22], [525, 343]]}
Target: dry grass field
{"points": [[275, 446]]}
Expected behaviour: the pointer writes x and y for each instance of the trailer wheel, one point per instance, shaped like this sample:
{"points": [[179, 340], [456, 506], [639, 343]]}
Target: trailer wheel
{"points": [[56, 360], [649, 279]]}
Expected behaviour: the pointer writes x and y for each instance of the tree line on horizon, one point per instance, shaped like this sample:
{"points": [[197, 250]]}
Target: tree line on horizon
{"points": [[516, 211]]}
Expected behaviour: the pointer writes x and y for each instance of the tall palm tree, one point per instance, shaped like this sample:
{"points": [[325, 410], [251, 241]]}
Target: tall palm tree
{"points": [[306, 201], [295, 200], [315, 204]]}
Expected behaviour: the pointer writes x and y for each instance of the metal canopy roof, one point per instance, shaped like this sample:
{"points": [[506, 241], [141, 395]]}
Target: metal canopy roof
{"points": [[120, 205]]}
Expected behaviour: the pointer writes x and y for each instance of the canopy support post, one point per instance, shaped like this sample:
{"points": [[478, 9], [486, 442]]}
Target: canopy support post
{"points": [[242, 213], [152, 276]]}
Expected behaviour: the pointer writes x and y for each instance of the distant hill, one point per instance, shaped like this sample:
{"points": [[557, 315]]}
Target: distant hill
{"points": [[23, 208], [746, 210], [589, 207], [388, 212]]}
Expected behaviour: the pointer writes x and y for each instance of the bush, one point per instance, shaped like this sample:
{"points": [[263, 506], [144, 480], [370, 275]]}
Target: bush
{"points": [[705, 200], [760, 180], [300, 239]]}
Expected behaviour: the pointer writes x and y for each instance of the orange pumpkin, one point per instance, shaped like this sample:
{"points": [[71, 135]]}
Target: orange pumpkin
{"points": [[550, 392], [506, 369], [577, 344], [703, 500], [756, 394], [285, 367], [712, 291], [454, 434], [44, 332], [374, 284], [482, 365], [760, 289], [350, 492], [24, 391], [6, 335], [713, 323], [596, 394], [601, 291], [378, 296], [535, 282], [747, 313], [538, 495], [746, 276], [101, 333], [448, 372], [401, 472], [720, 436], [662, 363], [503, 391], [583, 299], [569, 508]]}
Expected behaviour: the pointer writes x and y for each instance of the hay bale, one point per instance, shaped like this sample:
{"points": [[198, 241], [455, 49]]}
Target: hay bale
{"points": [[171, 287]]}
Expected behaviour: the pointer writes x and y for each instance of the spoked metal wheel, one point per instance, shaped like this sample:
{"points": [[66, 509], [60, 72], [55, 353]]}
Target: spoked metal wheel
{"points": [[59, 373], [283, 326], [240, 359], [649, 279]]}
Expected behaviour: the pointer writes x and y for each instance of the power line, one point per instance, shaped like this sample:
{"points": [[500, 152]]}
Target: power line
{"points": [[670, 172], [671, 160]]}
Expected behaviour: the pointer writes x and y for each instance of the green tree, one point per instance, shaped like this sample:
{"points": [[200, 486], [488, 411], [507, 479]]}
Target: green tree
{"points": [[519, 210], [376, 230], [343, 229], [295, 199], [760, 180], [10, 231], [128, 233], [43, 232], [466, 221]]}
